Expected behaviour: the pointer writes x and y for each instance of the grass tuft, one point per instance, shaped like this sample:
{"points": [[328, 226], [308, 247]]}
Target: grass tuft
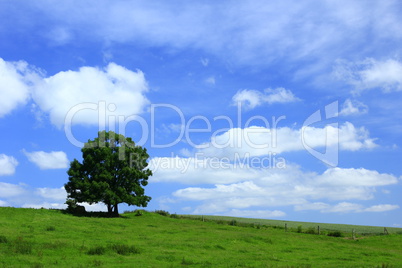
{"points": [[3, 239], [220, 247], [310, 230], [20, 246], [98, 250], [185, 261], [166, 258], [162, 212], [299, 229], [97, 263], [50, 228], [335, 233], [37, 265], [138, 212], [174, 216]]}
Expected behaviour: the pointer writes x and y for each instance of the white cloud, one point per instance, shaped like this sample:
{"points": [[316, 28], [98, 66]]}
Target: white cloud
{"points": [[312, 206], [171, 128], [52, 193], [210, 80], [345, 207], [51, 160], [89, 94], [264, 214], [121, 89], [45, 205], [8, 190], [361, 177], [259, 141], [243, 33], [60, 36], [192, 170], [370, 74], [249, 99], [7, 165], [21, 195], [204, 61], [94, 207], [381, 208], [353, 107], [88, 207], [246, 188], [16, 79]]}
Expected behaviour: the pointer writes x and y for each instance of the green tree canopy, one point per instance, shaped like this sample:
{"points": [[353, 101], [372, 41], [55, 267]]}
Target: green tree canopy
{"points": [[113, 171]]}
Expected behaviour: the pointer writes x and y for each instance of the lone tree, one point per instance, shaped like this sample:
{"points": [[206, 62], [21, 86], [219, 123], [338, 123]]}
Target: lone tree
{"points": [[113, 171]]}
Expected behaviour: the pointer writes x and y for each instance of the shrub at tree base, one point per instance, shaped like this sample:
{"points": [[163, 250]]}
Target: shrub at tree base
{"points": [[74, 208]]}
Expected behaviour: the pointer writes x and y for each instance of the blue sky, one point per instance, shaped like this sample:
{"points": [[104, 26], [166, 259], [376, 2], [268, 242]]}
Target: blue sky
{"points": [[285, 110]]}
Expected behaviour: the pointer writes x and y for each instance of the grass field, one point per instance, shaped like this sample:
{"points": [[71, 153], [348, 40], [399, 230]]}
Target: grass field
{"points": [[50, 238], [346, 229]]}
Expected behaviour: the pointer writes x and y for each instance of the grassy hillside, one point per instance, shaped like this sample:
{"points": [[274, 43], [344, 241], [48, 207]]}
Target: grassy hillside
{"points": [[49, 238], [346, 229]]}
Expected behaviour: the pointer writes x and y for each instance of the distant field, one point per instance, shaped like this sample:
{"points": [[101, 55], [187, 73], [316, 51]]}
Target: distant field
{"points": [[50, 238], [345, 228]]}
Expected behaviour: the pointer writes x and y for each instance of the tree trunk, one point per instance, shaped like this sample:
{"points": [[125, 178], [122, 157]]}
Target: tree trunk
{"points": [[116, 210], [109, 209]]}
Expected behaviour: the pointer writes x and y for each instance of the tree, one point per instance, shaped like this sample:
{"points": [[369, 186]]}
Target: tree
{"points": [[113, 171]]}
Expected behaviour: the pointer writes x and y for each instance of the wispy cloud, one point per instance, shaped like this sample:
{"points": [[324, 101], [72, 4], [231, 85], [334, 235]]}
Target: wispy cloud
{"points": [[381, 208], [293, 30], [250, 99], [204, 61], [370, 74], [345, 207], [210, 80], [353, 107]]}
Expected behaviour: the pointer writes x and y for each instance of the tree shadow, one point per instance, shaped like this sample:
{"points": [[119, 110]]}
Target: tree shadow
{"points": [[92, 214]]}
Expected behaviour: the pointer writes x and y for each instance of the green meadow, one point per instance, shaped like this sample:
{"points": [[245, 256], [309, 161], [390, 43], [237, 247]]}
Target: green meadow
{"points": [[325, 228], [51, 238]]}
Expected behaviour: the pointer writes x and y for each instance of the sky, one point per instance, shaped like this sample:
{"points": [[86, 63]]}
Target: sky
{"points": [[284, 110]]}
